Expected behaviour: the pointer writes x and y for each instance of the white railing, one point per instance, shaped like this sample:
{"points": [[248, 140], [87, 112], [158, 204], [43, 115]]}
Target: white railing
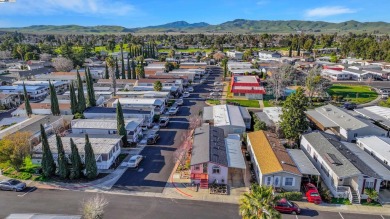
{"points": [[358, 194], [344, 192]]}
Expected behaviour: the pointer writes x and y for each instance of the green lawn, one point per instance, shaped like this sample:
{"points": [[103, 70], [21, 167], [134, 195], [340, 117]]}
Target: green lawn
{"points": [[341, 201], [353, 93], [372, 203], [245, 103], [213, 102], [267, 103]]}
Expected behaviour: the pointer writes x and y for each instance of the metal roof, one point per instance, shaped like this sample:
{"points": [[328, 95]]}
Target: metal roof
{"points": [[321, 119], [303, 163], [106, 124], [377, 113], [323, 145], [112, 110], [379, 145], [233, 151], [273, 113], [224, 115], [368, 160], [209, 146]]}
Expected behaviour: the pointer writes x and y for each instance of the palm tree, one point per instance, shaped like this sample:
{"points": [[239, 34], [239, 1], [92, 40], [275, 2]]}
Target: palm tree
{"points": [[111, 65], [372, 194], [258, 203]]}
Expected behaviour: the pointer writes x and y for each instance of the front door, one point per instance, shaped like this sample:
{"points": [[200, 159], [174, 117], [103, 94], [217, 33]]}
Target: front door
{"points": [[347, 182], [277, 181]]}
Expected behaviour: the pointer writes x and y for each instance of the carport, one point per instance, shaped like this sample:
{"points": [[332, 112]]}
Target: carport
{"points": [[236, 162], [305, 166]]}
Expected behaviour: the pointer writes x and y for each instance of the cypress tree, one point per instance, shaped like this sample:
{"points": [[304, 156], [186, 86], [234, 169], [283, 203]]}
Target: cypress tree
{"points": [[27, 105], [73, 99], [131, 50], [133, 73], [55, 108], [120, 121], [123, 65], [62, 161], [91, 101], [128, 67], [106, 73], [116, 68], [299, 50], [76, 161], [80, 94], [290, 52], [47, 163], [90, 162]]}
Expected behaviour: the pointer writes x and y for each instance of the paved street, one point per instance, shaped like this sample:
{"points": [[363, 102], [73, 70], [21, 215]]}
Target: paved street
{"points": [[155, 169], [127, 206]]}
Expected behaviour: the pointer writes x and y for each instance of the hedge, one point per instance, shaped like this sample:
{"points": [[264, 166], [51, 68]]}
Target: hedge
{"points": [[292, 196]]}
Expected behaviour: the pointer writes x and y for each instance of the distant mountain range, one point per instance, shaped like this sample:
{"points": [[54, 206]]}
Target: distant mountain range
{"points": [[235, 26]]}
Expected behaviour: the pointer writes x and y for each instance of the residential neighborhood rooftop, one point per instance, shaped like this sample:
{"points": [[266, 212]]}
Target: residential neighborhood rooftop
{"points": [[378, 145]]}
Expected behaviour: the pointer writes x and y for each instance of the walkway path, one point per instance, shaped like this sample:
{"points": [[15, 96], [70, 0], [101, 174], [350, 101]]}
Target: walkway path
{"points": [[373, 102]]}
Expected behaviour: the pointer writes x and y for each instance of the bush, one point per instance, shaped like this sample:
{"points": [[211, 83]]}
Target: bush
{"points": [[292, 196]]}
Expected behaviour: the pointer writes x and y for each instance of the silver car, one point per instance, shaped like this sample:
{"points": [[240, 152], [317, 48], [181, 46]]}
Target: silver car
{"points": [[12, 185]]}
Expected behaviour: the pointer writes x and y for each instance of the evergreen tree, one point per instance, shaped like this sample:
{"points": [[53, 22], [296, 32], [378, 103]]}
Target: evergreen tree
{"points": [[47, 163], [27, 105], [90, 162], [77, 166], [73, 99], [293, 119], [290, 52], [121, 123], [133, 73], [62, 160], [299, 50], [128, 67], [106, 73], [91, 101], [157, 86], [116, 68], [80, 94], [123, 63], [55, 108]]}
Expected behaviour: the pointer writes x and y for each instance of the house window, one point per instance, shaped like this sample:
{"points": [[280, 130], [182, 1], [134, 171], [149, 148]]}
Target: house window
{"points": [[197, 167], [216, 170], [385, 162], [369, 185], [355, 135], [268, 181], [289, 181]]}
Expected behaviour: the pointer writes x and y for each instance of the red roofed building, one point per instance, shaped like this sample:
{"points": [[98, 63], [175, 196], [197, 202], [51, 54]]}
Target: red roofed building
{"points": [[247, 86]]}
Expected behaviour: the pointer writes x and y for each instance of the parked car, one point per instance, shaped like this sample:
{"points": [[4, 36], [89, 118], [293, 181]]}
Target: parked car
{"points": [[186, 94], [153, 138], [173, 110], [144, 128], [312, 193], [179, 101], [12, 185], [214, 94], [350, 106], [134, 161], [202, 81], [190, 89], [164, 121], [285, 206], [156, 128], [218, 83], [217, 89]]}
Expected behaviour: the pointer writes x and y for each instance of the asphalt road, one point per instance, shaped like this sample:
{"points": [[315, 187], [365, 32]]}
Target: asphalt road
{"points": [[155, 169], [120, 206], [135, 207]]}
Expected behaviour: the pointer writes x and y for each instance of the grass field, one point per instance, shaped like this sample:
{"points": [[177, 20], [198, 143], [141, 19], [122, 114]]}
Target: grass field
{"points": [[245, 103], [213, 102], [353, 93]]}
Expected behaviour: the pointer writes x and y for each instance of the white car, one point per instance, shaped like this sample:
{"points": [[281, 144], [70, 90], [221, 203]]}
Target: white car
{"points": [[186, 94], [179, 101], [214, 94], [190, 89], [156, 128], [217, 89], [134, 161], [202, 81], [218, 83], [173, 110]]}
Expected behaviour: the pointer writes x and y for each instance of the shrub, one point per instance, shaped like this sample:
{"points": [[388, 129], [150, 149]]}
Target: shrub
{"points": [[292, 196]]}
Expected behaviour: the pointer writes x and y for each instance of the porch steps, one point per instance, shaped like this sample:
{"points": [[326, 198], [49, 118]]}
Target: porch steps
{"points": [[204, 184], [355, 198]]}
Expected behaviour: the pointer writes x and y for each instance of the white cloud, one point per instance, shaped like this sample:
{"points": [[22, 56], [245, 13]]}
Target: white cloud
{"points": [[262, 2], [328, 11], [85, 7]]}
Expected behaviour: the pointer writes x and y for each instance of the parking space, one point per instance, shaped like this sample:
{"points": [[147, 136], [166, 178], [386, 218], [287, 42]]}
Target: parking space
{"points": [[333, 215]]}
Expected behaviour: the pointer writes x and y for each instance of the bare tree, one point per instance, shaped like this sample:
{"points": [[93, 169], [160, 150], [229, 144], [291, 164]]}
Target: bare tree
{"points": [[281, 78], [45, 57], [93, 208], [5, 54], [218, 56], [63, 64], [315, 84]]}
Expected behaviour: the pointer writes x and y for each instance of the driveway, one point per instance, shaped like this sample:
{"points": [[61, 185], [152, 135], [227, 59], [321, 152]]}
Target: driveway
{"points": [[154, 171]]}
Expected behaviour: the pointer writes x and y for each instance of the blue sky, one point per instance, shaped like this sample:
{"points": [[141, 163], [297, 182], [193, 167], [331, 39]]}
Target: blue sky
{"points": [[139, 13]]}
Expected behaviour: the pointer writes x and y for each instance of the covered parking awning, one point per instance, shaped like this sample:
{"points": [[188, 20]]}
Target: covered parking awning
{"points": [[234, 153], [303, 163]]}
